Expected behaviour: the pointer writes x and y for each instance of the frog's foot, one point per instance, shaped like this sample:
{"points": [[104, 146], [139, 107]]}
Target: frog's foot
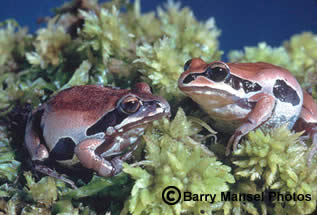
{"points": [[233, 142], [86, 153], [113, 167], [118, 161], [48, 171]]}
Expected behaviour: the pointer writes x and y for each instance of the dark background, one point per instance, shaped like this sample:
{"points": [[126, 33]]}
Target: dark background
{"points": [[243, 23]]}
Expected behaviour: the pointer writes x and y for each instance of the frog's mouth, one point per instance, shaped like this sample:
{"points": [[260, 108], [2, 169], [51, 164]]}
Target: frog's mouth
{"points": [[203, 91]]}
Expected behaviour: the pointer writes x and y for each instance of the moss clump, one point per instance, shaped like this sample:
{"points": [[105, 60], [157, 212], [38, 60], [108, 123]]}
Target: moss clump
{"points": [[14, 42], [277, 162], [302, 51], [263, 52], [49, 43], [174, 159], [9, 167], [106, 33]]}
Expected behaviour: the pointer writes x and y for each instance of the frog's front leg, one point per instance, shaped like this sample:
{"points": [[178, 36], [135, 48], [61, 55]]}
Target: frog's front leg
{"points": [[117, 161], [85, 151], [262, 111]]}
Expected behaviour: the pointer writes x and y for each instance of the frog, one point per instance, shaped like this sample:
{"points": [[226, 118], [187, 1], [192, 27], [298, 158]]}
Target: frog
{"points": [[241, 97], [94, 126]]}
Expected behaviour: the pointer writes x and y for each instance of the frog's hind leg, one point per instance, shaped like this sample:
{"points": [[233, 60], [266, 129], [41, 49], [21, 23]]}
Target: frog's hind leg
{"points": [[36, 149], [50, 172]]}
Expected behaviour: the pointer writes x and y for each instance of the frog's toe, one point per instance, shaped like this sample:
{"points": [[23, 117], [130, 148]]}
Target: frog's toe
{"points": [[106, 169], [233, 142], [117, 165]]}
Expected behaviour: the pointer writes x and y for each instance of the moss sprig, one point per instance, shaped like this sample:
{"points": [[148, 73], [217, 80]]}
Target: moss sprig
{"points": [[9, 167], [277, 162], [49, 44]]}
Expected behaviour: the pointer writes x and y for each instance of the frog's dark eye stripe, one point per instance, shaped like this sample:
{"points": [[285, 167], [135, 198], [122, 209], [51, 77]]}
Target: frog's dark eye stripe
{"points": [[110, 119], [190, 78], [216, 75], [63, 150], [285, 93]]}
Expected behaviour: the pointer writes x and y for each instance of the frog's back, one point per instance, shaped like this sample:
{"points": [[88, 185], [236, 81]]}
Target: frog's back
{"points": [[85, 98], [254, 71], [73, 110]]}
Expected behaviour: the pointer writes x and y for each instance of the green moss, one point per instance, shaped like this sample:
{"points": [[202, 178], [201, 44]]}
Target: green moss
{"points": [[302, 51], [9, 167], [106, 33], [263, 52], [277, 162], [14, 42], [7, 39], [164, 65], [174, 159], [80, 76], [48, 44]]}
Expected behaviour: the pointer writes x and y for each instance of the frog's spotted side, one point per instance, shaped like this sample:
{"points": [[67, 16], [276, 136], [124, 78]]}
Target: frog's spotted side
{"points": [[94, 125], [243, 96]]}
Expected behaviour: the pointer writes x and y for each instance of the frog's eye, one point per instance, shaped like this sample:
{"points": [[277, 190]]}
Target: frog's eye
{"points": [[218, 72], [130, 105], [187, 65]]}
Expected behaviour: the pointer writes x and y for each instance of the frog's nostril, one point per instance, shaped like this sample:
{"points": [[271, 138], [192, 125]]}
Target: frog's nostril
{"points": [[164, 105]]}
